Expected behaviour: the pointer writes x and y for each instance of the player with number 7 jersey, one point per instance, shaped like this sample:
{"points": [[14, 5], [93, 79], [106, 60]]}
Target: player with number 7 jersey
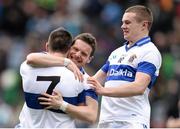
{"points": [[37, 81], [40, 80]]}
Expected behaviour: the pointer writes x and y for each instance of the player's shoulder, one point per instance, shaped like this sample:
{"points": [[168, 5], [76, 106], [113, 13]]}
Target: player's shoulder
{"points": [[24, 65], [62, 68], [150, 48], [117, 50]]}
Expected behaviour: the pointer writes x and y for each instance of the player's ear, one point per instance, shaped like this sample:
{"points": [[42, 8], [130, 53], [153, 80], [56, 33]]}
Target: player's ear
{"points": [[47, 46], [145, 24], [90, 59]]}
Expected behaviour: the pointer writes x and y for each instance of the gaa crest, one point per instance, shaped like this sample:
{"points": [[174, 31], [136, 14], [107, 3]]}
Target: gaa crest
{"points": [[131, 58], [121, 58]]}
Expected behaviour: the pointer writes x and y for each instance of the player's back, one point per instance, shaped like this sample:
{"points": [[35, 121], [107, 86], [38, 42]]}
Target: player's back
{"points": [[40, 80]]}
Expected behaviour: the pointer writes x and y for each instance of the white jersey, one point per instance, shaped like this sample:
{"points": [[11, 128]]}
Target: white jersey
{"points": [[88, 90], [121, 68], [41, 80]]}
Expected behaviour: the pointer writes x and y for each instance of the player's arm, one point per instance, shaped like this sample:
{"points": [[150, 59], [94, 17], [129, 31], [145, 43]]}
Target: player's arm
{"points": [[147, 71], [100, 76], [137, 87], [44, 60], [173, 123], [86, 113], [47, 60]]}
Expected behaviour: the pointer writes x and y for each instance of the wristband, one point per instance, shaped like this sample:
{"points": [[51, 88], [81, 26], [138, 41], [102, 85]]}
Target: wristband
{"points": [[66, 62], [63, 106]]}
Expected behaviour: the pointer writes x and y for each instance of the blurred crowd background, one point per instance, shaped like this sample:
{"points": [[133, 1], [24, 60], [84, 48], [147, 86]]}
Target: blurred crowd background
{"points": [[25, 26]]}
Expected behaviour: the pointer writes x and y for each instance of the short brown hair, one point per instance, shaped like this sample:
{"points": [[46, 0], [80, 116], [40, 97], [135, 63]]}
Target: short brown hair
{"points": [[60, 40], [87, 38], [142, 13]]}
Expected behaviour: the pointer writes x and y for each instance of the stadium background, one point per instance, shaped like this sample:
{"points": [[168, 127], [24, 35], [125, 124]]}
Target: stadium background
{"points": [[25, 25]]}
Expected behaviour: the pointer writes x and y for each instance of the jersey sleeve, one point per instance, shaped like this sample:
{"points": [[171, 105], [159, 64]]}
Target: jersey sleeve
{"points": [[105, 67], [91, 93], [88, 90], [81, 97], [150, 64], [23, 68]]}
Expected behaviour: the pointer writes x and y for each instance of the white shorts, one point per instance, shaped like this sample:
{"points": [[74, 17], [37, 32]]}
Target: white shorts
{"points": [[123, 124]]}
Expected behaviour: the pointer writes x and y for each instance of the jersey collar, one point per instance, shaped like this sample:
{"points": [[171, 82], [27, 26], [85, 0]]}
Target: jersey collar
{"points": [[82, 70], [138, 43]]}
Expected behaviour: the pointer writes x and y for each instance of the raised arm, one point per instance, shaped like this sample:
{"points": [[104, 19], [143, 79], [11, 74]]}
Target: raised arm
{"points": [[47, 60]]}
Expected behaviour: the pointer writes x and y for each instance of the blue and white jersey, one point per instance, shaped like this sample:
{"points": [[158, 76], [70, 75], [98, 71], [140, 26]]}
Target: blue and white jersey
{"points": [[40, 80], [121, 68], [88, 90]]}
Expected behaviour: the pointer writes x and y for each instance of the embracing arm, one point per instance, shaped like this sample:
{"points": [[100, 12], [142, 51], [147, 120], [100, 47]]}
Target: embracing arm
{"points": [[47, 60], [44, 60], [137, 87], [173, 123], [86, 113]]}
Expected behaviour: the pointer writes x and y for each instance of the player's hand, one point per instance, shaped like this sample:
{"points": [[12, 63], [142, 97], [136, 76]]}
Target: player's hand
{"points": [[77, 73], [53, 101], [95, 85], [173, 122]]}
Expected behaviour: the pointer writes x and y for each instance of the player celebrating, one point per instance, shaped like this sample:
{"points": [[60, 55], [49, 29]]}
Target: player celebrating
{"points": [[40, 80], [130, 73], [81, 52]]}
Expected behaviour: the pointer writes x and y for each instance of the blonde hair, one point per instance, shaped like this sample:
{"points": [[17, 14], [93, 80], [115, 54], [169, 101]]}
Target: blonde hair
{"points": [[142, 13]]}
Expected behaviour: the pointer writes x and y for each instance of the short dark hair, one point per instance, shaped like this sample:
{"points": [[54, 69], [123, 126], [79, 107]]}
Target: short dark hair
{"points": [[142, 13], [87, 38], [60, 40]]}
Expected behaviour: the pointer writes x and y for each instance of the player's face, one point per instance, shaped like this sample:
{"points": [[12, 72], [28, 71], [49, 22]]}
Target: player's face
{"points": [[80, 52], [130, 27]]}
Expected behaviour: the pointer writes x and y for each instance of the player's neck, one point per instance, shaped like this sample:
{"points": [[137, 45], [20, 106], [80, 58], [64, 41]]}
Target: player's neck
{"points": [[59, 54], [137, 38]]}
